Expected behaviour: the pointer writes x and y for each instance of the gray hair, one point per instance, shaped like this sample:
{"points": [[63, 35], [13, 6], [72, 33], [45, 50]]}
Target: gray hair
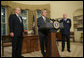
{"points": [[17, 8]]}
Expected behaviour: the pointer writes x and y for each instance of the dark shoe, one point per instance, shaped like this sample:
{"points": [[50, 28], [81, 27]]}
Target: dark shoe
{"points": [[62, 50], [44, 54], [21, 56], [68, 50]]}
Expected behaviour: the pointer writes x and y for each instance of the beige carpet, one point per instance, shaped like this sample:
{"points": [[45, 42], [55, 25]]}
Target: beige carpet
{"points": [[76, 51]]}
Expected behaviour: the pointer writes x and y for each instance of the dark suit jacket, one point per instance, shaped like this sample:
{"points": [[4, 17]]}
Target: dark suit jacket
{"points": [[15, 25], [67, 26], [40, 22]]}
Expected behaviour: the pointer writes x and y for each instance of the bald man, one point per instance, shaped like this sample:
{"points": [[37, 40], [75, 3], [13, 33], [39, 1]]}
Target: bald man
{"points": [[16, 32], [43, 37], [65, 31]]}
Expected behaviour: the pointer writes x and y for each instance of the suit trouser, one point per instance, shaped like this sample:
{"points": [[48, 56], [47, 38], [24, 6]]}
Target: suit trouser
{"points": [[16, 46], [43, 42], [67, 36]]}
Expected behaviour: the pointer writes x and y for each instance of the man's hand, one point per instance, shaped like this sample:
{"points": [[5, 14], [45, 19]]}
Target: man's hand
{"points": [[12, 34]]}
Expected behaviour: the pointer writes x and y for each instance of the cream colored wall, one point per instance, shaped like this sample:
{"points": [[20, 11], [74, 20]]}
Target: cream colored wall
{"points": [[33, 2], [57, 8]]}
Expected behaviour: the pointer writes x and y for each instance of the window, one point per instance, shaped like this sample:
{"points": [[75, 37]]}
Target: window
{"points": [[38, 13], [3, 21], [24, 14]]}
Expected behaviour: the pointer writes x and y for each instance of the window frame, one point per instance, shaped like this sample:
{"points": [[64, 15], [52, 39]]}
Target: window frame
{"points": [[6, 23], [26, 19], [37, 13]]}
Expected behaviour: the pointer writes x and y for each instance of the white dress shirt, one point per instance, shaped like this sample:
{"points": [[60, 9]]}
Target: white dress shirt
{"points": [[44, 18], [19, 17], [65, 19]]}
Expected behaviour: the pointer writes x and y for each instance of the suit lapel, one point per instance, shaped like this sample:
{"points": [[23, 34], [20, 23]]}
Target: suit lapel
{"points": [[17, 18], [46, 19], [42, 19]]}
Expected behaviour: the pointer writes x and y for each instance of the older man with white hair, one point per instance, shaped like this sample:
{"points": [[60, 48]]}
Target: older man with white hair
{"points": [[65, 31], [16, 32]]}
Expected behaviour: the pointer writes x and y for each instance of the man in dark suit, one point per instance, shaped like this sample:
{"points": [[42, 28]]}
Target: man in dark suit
{"points": [[65, 31], [43, 36], [16, 32]]}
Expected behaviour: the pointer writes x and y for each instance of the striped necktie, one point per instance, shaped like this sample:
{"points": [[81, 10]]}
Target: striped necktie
{"points": [[45, 20]]}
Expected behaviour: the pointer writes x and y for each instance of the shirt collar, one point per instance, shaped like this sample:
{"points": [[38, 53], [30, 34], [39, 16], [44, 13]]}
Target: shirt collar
{"points": [[65, 19], [17, 15], [43, 16]]}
